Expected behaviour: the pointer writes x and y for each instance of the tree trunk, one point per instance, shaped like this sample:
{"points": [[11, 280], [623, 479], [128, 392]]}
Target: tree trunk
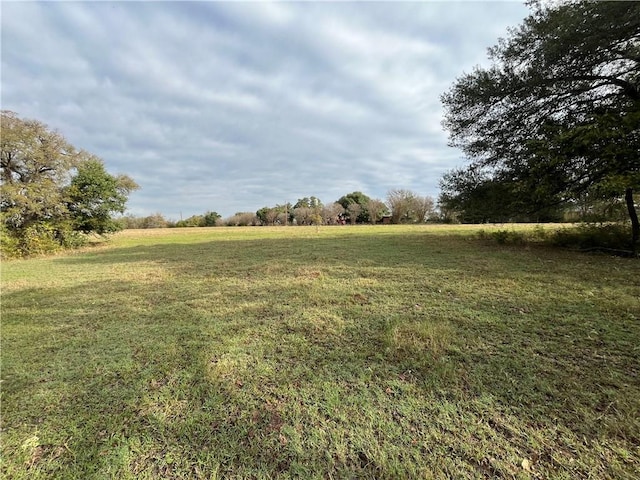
{"points": [[635, 224]]}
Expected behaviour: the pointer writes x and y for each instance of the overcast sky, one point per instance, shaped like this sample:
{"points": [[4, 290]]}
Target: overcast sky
{"points": [[232, 106]]}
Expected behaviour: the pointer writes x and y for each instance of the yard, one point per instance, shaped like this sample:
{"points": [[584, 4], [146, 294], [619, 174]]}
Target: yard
{"points": [[339, 352]]}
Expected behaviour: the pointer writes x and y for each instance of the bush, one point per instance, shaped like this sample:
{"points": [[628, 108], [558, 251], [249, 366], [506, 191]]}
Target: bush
{"points": [[9, 245], [38, 239], [606, 237], [505, 237], [593, 237], [241, 219], [509, 237], [71, 239]]}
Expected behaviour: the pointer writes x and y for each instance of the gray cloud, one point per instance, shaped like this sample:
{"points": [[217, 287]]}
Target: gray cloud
{"points": [[233, 106]]}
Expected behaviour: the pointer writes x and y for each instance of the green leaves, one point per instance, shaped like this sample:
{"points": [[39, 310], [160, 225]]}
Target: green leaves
{"points": [[557, 113], [94, 195], [41, 199]]}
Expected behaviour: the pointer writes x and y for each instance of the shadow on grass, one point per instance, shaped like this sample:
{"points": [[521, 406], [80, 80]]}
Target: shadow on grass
{"points": [[260, 358], [160, 393]]}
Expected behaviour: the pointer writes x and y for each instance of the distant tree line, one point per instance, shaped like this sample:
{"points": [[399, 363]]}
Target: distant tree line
{"points": [[157, 220], [401, 206]]}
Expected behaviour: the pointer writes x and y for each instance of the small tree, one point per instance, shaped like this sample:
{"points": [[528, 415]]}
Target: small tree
{"points": [[192, 221], [400, 203], [376, 209], [302, 215], [241, 219], [210, 219], [408, 207], [358, 198], [423, 207], [354, 210], [267, 215], [94, 196], [156, 220], [331, 213]]}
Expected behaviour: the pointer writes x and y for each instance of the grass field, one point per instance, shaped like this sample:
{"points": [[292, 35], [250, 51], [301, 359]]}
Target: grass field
{"points": [[344, 352]]}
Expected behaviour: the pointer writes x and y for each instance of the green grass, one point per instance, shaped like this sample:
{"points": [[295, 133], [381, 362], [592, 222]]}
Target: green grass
{"points": [[343, 352]]}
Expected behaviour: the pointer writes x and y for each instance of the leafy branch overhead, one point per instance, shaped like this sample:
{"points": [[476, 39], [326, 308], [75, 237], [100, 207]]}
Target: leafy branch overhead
{"points": [[556, 116]]}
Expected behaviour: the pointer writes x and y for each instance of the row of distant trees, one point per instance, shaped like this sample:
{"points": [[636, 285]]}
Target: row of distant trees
{"points": [[401, 206], [157, 220]]}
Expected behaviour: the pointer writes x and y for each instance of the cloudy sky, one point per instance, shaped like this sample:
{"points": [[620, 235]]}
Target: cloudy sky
{"points": [[232, 106]]}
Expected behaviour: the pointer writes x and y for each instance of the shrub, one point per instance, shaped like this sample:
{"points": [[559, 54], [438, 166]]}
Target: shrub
{"points": [[71, 239], [504, 237], [39, 239], [606, 237], [509, 237], [592, 237], [9, 245]]}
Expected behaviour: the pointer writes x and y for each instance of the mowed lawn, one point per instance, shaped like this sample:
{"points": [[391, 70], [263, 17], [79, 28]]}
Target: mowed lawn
{"points": [[339, 352]]}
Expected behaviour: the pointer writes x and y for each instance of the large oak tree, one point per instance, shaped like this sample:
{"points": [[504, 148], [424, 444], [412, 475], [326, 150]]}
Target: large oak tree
{"points": [[49, 188], [557, 114]]}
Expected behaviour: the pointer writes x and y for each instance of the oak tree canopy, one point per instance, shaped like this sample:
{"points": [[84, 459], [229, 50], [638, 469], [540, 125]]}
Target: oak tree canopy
{"points": [[556, 117]]}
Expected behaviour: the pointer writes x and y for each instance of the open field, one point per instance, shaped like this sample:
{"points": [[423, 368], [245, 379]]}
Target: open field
{"points": [[343, 352]]}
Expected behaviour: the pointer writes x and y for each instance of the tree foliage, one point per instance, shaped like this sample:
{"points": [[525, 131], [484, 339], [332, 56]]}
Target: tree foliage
{"points": [[208, 219], [280, 214], [242, 219], [332, 213], [156, 220], [308, 202], [94, 196], [354, 210], [473, 196], [557, 114], [34, 163], [408, 207], [50, 191], [376, 209], [303, 215], [308, 211], [358, 198]]}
